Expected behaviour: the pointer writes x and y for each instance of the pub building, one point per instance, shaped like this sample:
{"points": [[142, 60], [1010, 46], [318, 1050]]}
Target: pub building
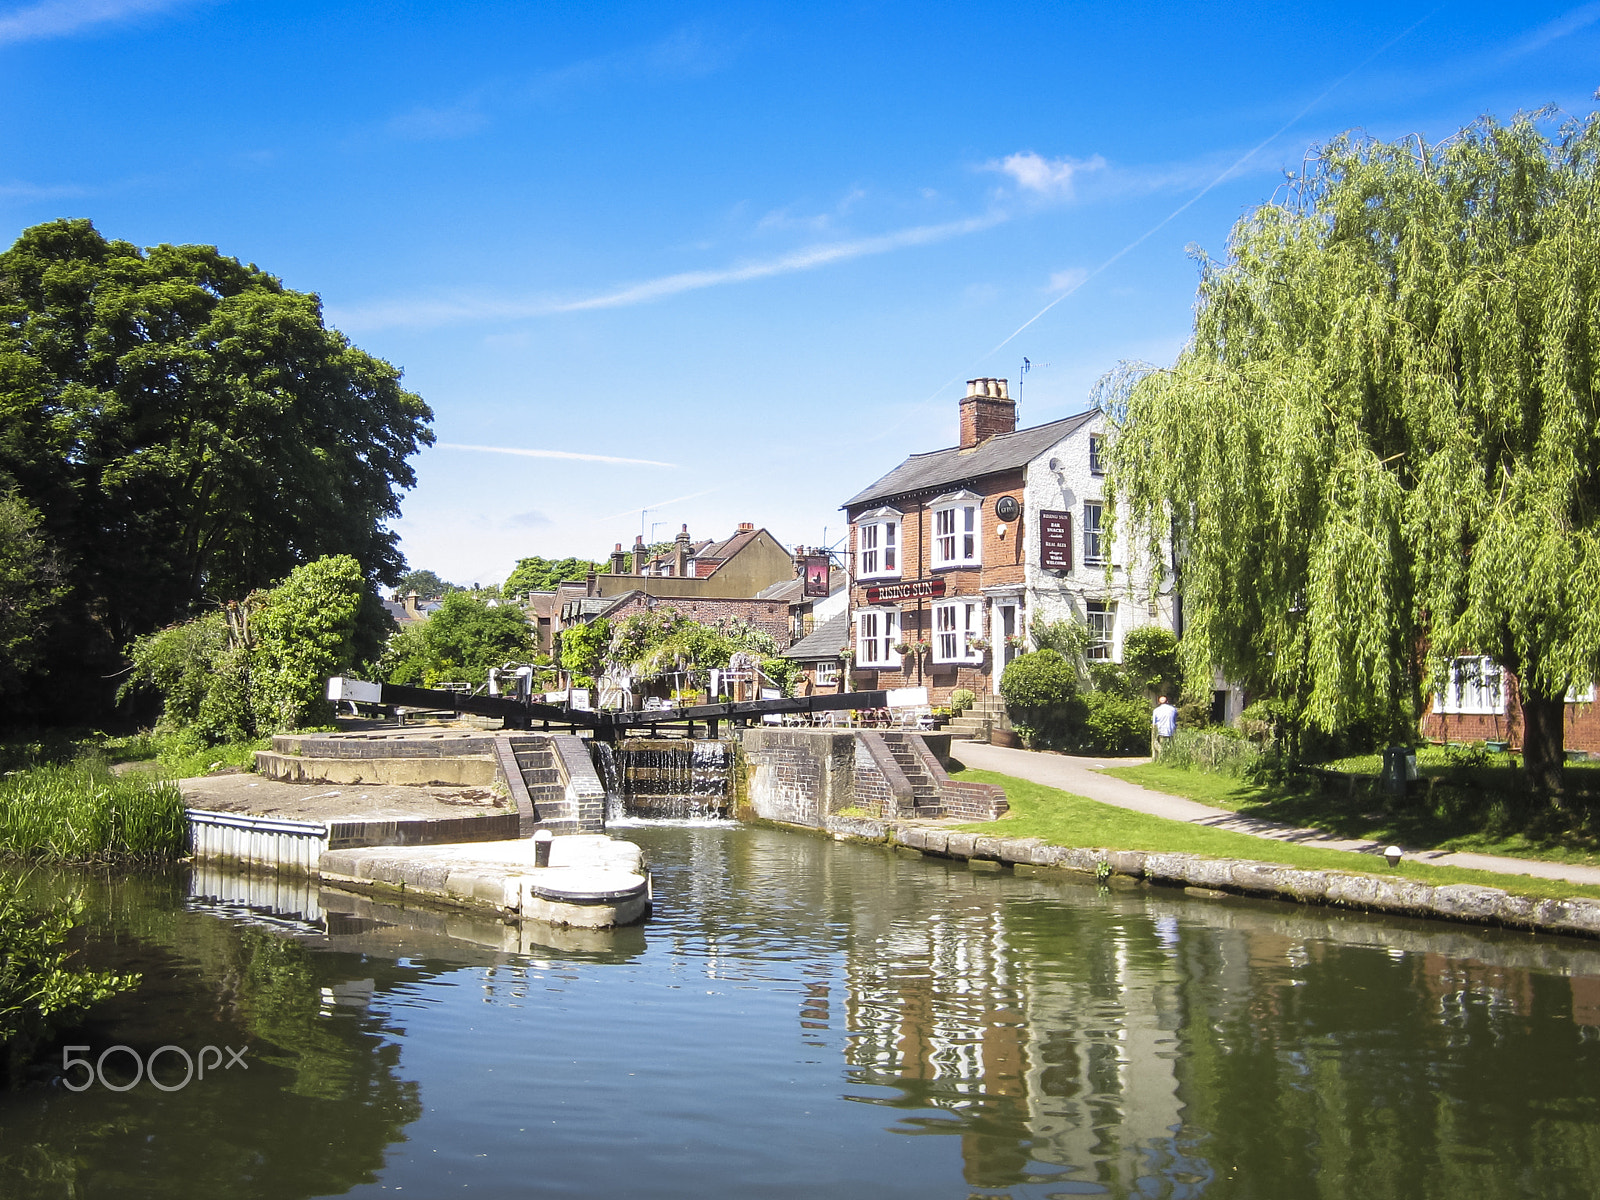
{"points": [[957, 554]]}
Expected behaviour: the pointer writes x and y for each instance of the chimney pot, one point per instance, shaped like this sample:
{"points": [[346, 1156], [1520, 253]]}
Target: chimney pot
{"points": [[986, 411], [746, 527]]}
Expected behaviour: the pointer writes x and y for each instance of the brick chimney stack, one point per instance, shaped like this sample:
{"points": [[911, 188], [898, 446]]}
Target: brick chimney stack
{"points": [[641, 554], [746, 527], [680, 553], [619, 561], [986, 410]]}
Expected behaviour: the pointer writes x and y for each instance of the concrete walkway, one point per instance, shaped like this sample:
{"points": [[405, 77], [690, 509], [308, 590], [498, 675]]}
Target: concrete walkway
{"points": [[1083, 777]]}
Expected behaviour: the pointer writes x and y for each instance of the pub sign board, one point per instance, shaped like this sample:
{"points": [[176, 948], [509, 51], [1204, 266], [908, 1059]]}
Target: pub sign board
{"points": [[816, 575], [1055, 540], [917, 589]]}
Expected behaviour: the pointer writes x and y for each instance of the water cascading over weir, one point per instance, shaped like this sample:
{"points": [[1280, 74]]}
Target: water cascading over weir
{"points": [[665, 778]]}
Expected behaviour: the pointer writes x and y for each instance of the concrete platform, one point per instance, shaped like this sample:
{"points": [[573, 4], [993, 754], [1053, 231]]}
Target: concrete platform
{"points": [[592, 882]]}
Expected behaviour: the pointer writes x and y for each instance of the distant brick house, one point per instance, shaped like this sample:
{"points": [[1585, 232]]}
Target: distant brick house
{"points": [[734, 578], [965, 550], [1481, 703]]}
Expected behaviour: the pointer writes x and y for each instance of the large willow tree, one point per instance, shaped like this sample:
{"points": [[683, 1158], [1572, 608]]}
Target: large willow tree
{"points": [[1379, 451]]}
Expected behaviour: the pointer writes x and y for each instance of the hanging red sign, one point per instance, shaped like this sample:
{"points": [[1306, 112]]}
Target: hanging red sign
{"points": [[920, 589]]}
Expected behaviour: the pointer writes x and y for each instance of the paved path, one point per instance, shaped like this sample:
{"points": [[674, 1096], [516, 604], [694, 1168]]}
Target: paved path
{"points": [[1083, 777]]}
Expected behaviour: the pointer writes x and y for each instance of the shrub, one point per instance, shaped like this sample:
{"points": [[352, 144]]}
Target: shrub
{"points": [[1041, 693], [962, 699], [1150, 658], [1116, 724], [1217, 749]]}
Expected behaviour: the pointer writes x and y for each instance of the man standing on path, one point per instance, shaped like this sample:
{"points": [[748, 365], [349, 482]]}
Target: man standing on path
{"points": [[1163, 723]]}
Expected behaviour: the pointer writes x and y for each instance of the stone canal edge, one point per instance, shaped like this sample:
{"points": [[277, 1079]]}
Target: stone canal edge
{"points": [[1463, 902]]}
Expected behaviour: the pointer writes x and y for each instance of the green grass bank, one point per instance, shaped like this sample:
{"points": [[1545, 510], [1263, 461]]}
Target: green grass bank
{"points": [[1064, 819]]}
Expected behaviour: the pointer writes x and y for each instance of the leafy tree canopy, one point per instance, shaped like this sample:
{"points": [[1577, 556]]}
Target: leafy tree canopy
{"points": [[534, 574], [259, 666], [188, 427], [459, 643], [425, 584], [1381, 449], [30, 583]]}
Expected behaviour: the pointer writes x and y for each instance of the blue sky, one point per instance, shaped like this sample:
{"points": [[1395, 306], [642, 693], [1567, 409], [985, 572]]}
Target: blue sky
{"points": [[733, 261]]}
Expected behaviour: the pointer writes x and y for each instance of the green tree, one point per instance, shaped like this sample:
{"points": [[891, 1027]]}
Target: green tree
{"points": [[189, 430], [460, 642], [425, 584], [30, 582], [534, 574], [584, 647], [259, 666], [304, 632], [1381, 449]]}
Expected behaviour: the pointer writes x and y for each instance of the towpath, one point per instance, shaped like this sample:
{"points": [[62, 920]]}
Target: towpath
{"points": [[1085, 777]]}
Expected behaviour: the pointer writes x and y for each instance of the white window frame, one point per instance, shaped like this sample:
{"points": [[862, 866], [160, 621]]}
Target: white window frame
{"points": [[881, 559], [1101, 650], [1097, 454], [1475, 686], [877, 632], [961, 544], [827, 674], [955, 623], [1093, 533]]}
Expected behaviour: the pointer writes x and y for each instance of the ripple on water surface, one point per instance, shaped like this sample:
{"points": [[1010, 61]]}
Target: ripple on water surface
{"points": [[803, 1017]]}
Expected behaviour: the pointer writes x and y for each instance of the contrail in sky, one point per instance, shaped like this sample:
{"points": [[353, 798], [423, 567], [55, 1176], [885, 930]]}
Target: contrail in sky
{"points": [[569, 454]]}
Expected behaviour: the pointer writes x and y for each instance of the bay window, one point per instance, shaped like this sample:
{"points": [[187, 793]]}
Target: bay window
{"points": [[956, 529], [878, 544]]}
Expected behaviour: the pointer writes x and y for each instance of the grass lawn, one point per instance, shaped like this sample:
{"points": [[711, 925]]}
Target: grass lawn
{"points": [[1067, 820], [1417, 824]]}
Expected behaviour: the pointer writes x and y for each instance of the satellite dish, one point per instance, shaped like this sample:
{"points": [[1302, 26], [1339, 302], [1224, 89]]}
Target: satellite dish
{"points": [[1007, 508]]}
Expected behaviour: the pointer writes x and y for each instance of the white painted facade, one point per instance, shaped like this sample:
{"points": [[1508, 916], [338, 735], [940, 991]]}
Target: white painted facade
{"points": [[1061, 479]]}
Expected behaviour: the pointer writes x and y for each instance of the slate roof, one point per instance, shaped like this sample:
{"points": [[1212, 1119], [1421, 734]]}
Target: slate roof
{"points": [[939, 470], [832, 636]]}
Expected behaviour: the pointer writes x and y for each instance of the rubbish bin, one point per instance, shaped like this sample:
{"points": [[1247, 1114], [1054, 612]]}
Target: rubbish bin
{"points": [[1399, 769]]}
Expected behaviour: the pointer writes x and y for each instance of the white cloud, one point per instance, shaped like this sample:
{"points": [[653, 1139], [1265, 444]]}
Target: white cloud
{"points": [[430, 124], [57, 18], [34, 191], [441, 312], [1069, 280], [1050, 178], [566, 454], [532, 519], [1568, 23]]}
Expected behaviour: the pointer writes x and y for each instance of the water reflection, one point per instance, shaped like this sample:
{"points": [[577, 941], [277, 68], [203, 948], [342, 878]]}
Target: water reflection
{"points": [[805, 1017]]}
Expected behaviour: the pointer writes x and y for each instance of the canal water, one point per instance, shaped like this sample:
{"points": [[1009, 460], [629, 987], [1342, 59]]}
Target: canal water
{"points": [[803, 1018]]}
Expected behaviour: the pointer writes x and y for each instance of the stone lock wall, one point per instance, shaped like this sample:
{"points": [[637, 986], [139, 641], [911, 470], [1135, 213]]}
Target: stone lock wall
{"points": [[805, 776]]}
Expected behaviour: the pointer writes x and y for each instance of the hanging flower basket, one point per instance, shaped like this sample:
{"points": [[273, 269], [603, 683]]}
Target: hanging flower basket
{"points": [[1017, 641], [905, 647], [979, 644], [847, 654]]}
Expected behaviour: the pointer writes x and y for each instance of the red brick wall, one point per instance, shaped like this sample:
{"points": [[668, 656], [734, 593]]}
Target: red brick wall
{"points": [[1582, 725], [1002, 564]]}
